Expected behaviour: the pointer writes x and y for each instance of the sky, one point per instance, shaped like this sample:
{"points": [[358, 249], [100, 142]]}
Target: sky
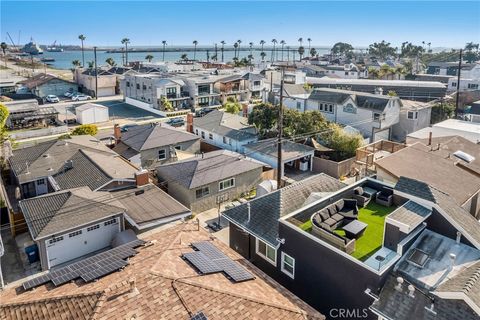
{"points": [[147, 23]]}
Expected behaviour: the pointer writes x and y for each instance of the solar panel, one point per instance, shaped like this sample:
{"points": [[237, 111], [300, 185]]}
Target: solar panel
{"points": [[199, 316], [209, 250], [201, 262]]}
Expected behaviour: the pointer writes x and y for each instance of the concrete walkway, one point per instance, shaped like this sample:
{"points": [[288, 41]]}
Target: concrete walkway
{"points": [[210, 216]]}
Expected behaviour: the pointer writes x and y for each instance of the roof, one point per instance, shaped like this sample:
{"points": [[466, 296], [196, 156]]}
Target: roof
{"points": [[207, 168], [167, 287], [362, 99], [459, 217], [226, 124], [22, 105], [381, 83], [84, 153], [93, 72], [290, 150], [436, 169], [295, 90], [150, 136], [250, 76], [411, 214], [465, 66], [118, 70], [40, 79], [265, 211], [65, 210], [147, 205], [87, 106]]}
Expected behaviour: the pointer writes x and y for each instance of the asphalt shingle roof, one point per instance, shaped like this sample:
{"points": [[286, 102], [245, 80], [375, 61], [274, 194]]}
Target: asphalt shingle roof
{"points": [[265, 211], [290, 149], [226, 124], [362, 99]]}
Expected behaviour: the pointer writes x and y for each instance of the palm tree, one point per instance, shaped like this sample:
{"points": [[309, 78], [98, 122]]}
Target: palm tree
{"points": [[110, 61], [4, 47], [250, 44], [126, 41], [91, 64], [238, 49], [250, 58], [429, 44], [263, 54], [214, 57], [274, 41], [184, 57], [195, 42], [164, 43], [223, 45], [262, 42], [82, 38], [309, 40], [313, 52], [235, 46], [301, 51], [282, 42], [76, 63], [149, 57], [301, 41]]}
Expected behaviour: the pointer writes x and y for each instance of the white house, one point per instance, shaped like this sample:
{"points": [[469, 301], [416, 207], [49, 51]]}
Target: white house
{"points": [[465, 84], [414, 115], [89, 113]]}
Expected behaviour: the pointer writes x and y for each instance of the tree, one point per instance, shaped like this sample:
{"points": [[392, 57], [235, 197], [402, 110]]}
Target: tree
{"points": [[301, 51], [309, 43], [184, 57], [126, 41], [470, 55], [110, 62], [3, 120], [385, 71], [195, 43], [345, 144], [392, 93], [166, 104], [232, 105], [149, 57], [300, 40], [373, 72], [4, 47], [91, 64], [238, 50], [235, 46], [283, 43], [264, 117], [274, 41], [262, 43], [250, 45], [313, 52], [223, 46], [409, 50], [263, 54], [442, 111], [342, 49], [82, 38], [85, 129], [76, 63], [164, 43], [382, 50]]}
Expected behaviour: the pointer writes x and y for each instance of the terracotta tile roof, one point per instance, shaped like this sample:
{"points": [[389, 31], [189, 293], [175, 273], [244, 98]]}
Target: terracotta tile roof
{"points": [[167, 287]]}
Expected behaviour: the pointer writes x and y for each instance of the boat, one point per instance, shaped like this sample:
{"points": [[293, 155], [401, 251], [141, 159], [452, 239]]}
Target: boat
{"points": [[32, 48], [54, 49], [47, 60]]}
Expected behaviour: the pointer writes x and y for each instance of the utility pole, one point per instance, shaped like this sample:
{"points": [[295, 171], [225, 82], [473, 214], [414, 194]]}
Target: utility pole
{"points": [[96, 72], [458, 84], [280, 133]]}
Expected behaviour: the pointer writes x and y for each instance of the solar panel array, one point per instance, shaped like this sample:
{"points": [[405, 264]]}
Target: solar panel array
{"points": [[90, 268], [209, 259], [199, 316]]}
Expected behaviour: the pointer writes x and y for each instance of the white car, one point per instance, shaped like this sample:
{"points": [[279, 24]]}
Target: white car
{"points": [[52, 98], [69, 94], [80, 97]]}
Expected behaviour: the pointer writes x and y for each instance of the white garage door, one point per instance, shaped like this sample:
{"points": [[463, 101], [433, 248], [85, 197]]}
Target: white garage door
{"points": [[72, 245]]}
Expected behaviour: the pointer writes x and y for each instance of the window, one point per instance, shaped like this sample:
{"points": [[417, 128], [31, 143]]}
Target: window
{"points": [[196, 132], [346, 73], [40, 182], [203, 135], [412, 115], [227, 184], [128, 84], [299, 105], [204, 89], [111, 221], [74, 234], [330, 108], [138, 86], [203, 101], [162, 154], [210, 136], [93, 227], [376, 116], [256, 83], [472, 86], [267, 252], [202, 192], [55, 239], [144, 87], [320, 107], [288, 265], [454, 84]]}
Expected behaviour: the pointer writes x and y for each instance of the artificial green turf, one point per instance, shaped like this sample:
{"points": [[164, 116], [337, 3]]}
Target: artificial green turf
{"points": [[306, 226]]}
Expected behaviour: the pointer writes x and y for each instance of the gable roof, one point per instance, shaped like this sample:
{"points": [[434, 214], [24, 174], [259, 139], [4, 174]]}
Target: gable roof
{"points": [[207, 168], [168, 288], [93, 72], [40, 79], [290, 150], [265, 211], [362, 99], [150, 136], [226, 124], [61, 211]]}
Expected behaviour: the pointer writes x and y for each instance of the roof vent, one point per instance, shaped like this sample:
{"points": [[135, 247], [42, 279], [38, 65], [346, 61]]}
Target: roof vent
{"points": [[411, 291], [50, 169], [398, 287], [464, 156], [139, 192], [133, 288], [68, 164], [46, 155]]}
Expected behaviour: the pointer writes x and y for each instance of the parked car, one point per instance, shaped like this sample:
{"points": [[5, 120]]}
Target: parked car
{"points": [[69, 94], [52, 98], [81, 97], [202, 112], [176, 122]]}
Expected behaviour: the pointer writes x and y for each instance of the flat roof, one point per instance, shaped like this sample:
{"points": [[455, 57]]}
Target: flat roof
{"points": [[397, 83]]}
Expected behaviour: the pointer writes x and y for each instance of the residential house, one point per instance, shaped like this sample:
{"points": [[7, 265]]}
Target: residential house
{"points": [[106, 82], [290, 76], [414, 116], [296, 157], [233, 86], [473, 112], [286, 231], [469, 70], [295, 96], [346, 71], [466, 84], [450, 127], [150, 145], [225, 130], [450, 164], [405, 89], [27, 113], [201, 89], [44, 84], [202, 182], [62, 164], [158, 282], [373, 115], [256, 86]]}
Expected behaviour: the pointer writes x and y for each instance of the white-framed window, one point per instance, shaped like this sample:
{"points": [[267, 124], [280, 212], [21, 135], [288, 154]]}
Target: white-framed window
{"points": [[196, 132], [203, 135], [454, 84], [75, 233], [210, 136], [93, 227], [266, 251], [412, 115], [226, 184], [472, 86], [111, 221], [40, 182], [202, 192], [288, 265], [55, 239], [162, 154], [299, 105]]}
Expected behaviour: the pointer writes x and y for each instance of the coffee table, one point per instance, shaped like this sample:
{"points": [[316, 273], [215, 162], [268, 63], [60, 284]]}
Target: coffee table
{"points": [[354, 229], [369, 192]]}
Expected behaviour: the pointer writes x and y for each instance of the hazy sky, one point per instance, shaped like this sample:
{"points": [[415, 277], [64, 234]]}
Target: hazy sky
{"points": [[443, 23]]}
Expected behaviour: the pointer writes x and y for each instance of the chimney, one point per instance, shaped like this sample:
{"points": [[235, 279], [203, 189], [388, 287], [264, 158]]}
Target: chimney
{"points": [[133, 288], [379, 91], [141, 177], [459, 237], [398, 287], [117, 133], [190, 122], [411, 290], [245, 110], [430, 138]]}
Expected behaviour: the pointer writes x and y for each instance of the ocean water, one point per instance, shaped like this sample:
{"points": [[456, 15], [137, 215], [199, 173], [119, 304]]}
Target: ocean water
{"points": [[63, 60]]}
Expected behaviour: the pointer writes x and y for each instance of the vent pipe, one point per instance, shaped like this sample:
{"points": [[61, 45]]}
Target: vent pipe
{"points": [[248, 211], [398, 287], [411, 291], [133, 288], [459, 237]]}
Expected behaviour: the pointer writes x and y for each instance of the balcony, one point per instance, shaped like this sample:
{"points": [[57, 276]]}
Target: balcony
{"points": [[177, 96]]}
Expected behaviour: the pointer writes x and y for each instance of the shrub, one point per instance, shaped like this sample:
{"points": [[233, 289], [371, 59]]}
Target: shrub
{"points": [[85, 129]]}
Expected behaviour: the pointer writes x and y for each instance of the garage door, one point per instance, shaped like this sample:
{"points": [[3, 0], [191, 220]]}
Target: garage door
{"points": [[72, 245]]}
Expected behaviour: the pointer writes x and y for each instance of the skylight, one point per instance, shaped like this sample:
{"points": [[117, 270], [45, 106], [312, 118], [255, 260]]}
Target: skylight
{"points": [[418, 258], [464, 156]]}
